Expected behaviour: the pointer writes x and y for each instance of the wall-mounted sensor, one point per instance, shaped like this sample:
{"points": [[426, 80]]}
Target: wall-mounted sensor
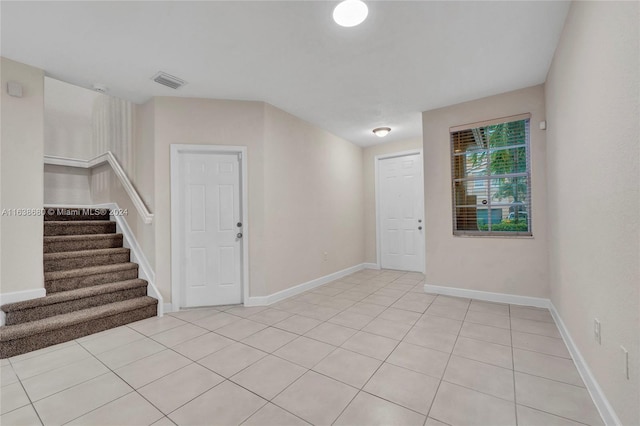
{"points": [[100, 88], [14, 89], [543, 125]]}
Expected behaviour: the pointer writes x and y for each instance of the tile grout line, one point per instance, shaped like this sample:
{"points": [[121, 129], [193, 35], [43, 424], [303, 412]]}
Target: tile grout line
{"points": [[29, 398], [435, 395], [320, 373], [365, 384], [340, 310], [142, 396], [513, 371], [109, 371], [135, 390]]}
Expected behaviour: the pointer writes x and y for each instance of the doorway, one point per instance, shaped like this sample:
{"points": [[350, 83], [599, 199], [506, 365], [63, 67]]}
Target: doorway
{"points": [[208, 225], [400, 211]]}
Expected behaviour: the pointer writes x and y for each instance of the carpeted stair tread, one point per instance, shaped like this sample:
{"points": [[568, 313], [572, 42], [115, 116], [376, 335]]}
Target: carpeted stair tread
{"points": [[75, 300], [13, 332], [66, 243], [77, 222], [56, 238], [84, 253], [80, 227], [85, 258], [90, 282], [80, 293], [92, 270]]}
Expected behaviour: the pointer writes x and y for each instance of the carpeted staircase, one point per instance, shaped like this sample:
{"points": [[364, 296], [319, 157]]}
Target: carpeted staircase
{"points": [[90, 283]]}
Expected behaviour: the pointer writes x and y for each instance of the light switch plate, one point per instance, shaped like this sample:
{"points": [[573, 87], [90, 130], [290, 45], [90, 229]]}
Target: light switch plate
{"points": [[14, 89]]}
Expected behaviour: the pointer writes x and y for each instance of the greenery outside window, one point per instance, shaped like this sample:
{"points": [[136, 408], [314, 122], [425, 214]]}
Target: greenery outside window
{"points": [[491, 177]]}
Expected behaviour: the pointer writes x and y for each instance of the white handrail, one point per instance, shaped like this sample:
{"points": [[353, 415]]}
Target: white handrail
{"points": [[107, 157]]}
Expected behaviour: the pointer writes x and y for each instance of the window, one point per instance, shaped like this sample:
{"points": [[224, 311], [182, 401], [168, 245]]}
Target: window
{"points": [[491, 177]]}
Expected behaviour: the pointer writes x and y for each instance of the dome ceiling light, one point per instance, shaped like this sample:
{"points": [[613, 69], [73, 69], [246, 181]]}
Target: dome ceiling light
{"points": [[350, 13], [381, 132]]}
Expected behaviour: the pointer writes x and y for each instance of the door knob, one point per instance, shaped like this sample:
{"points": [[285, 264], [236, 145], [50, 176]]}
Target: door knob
{"points": [[239, 235]]}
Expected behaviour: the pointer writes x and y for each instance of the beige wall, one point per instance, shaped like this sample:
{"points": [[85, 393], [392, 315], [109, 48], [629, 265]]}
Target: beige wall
{"points": [[495, 264], [143, 178], [21, 177], [313, 201], [305, 189], [368, 171], [133, 123], [68, 129], [208, 122], [593, 189], [66, 185]]}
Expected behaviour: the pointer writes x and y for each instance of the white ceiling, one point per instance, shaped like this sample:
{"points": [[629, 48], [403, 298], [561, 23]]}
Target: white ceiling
{"points": [[407, 57]]}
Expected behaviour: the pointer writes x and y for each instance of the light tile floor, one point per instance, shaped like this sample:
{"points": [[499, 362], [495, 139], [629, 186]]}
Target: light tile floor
{"points": [[369, 349]]}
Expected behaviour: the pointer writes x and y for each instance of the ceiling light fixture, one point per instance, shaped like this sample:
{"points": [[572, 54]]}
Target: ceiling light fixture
{"points": [[350, 13], [381, 132]]}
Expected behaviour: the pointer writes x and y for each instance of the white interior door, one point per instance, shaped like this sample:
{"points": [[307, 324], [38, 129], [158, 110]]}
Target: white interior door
{"points": [[211, 238], [401, 212]]}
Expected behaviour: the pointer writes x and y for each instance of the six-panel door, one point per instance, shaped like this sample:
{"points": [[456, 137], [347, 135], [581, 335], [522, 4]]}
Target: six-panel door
{"points": [[210, 212], [401, 212]]}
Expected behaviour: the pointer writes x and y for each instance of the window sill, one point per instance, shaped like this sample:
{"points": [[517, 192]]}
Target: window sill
{"points": [[509, 236]]}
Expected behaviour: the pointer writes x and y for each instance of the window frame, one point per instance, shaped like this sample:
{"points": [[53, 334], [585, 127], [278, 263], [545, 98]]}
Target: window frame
{"points": [[526, 174]]}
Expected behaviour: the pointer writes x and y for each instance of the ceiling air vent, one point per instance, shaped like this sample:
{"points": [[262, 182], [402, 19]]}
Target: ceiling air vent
{"points": [[168, 80]]}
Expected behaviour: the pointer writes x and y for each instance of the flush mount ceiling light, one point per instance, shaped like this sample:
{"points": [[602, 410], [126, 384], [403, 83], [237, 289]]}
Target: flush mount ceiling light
{"points": [[381, 132], [350, 13]]}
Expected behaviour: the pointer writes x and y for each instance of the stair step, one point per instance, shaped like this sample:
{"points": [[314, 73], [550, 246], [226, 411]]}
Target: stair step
{"points": [[81, 259], [73, 279], [79, 227], [29, 336], [74, 213], [63, 243], [73, 300]]}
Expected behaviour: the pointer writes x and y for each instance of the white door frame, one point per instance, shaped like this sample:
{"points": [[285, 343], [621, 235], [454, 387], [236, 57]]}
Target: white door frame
{"points": [[376, 161], [177, 236]]}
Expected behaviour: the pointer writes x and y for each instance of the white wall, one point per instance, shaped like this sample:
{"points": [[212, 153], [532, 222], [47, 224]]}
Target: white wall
{"points": [[496, 264], [592, 98], [21, 177], [368, 170], [313, 201]]}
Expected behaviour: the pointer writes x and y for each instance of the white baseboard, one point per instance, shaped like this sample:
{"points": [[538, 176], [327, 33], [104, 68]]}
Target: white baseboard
{"points": [[167, 307], [487, 296], [371, 266], [601, 402], [605, 409], [137, 256], [19, 296], [301, 288]]}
